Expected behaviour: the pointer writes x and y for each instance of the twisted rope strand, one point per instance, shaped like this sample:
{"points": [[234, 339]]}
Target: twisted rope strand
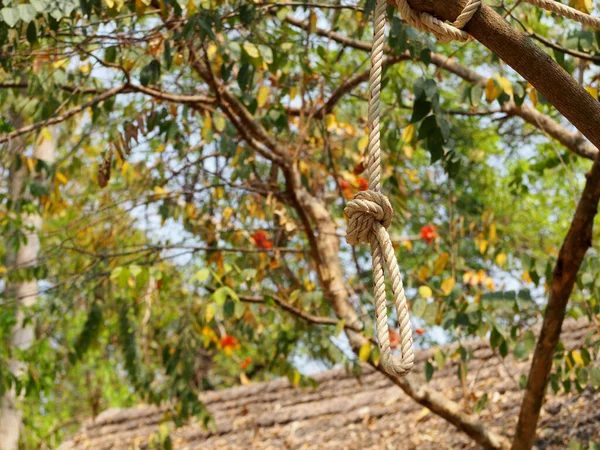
{"points": [[567, 11], [444, 32]]}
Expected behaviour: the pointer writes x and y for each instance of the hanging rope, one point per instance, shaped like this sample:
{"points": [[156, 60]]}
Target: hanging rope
{"points": [[370, 214]]}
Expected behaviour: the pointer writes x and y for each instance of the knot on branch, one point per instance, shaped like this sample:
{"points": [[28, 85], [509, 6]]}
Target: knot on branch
{"points": [[363, 210]]}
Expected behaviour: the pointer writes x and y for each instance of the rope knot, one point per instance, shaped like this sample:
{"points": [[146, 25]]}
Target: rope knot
{"points": [[366, 208]]}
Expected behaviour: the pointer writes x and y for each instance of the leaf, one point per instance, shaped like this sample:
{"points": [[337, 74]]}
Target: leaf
{"points": [[492, 91], [418, 307], [339, 328], [576, 355], [425, 291], [201, 276], [505, 85], [440, 263], [448, 285], [429, 369], [586, 6], [251, 50], [592, 91], [263, 95], [150, 74], [26, 12], [364, 352], [501, 259], [408, 133], [440, 358], [10, 16]]}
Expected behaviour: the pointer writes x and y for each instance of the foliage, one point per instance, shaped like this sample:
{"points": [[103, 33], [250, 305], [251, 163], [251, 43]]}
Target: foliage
{"points": [[174, 258]]}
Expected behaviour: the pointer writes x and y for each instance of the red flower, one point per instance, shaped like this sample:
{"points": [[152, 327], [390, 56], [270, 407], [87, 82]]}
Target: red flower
{"points": [[246, 363], [344, 184], [261, 240], [428, 233], [420, 331], [228, 341], [363, 184]]}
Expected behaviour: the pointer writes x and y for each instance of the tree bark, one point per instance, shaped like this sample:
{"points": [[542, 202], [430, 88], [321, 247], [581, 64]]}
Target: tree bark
{"points": [[570, 257], [24, 293], [532, 63]]}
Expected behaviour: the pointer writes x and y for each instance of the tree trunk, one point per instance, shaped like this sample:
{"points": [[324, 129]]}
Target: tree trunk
{"points": [[24, 294]]}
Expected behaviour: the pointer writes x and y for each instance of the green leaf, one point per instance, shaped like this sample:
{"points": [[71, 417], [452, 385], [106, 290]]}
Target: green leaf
{"points": [[339, 328], [421, 108], [440, 358], [10, 16], [26, 12], [429, 369], [201, 276], [150, 74]]}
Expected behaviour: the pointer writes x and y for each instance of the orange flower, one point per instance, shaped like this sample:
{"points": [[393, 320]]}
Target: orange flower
{"points": [[261, 240], [363, 184], [394, 339], [346, 188], [428, 233], [246, 363], [420, 331], [229, 341]]}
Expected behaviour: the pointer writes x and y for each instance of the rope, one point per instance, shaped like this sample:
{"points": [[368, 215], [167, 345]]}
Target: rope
{"points": [[444, 32], [567, 11], [370, 214]]}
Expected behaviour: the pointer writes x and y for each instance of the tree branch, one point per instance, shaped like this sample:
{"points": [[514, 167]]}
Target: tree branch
{"points": [[62, 117], [573, 141], [570, 257], [524, 56]]}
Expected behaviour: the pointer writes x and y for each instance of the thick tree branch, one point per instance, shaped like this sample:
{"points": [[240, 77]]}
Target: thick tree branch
{"points": [[570, 257], [573, 141], [524, 56]]}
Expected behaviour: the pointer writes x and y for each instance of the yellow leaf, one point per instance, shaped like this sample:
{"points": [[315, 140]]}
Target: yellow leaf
{"points": [[30, 164], [209, 312], [244, 380], [586, 6], [525, 277], [110, 3], [330, 121], [312, 21], [408, 133], [2, 269], [364, 352], [227, 213], [493, 234], [85, 68], [425, 291], [211, 51], [407, 244], [252, 50], [263, 95], [483, 244], [61, 178], [440, 263], [362, 143], [219, 123], [593, 91], [501, 259], [423, 273], [296, 379], [492, 91], [577, 358], [447, 285], [533, 96], [293, 92], [46, 134], [505, 85]]}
